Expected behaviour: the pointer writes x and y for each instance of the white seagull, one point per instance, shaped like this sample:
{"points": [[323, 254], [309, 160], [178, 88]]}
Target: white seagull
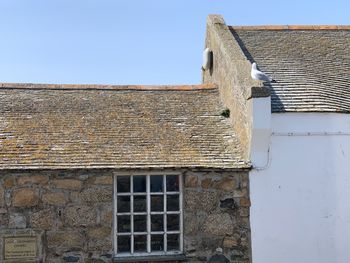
{"points": [[258, 75]]}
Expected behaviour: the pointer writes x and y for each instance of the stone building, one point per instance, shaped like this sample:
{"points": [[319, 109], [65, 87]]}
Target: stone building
{"points": [[92, 173], [295, 131], [103, 173]]}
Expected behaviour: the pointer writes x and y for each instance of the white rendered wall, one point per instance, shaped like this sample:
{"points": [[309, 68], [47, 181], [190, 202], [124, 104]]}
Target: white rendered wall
{"points": [[300, 209]]}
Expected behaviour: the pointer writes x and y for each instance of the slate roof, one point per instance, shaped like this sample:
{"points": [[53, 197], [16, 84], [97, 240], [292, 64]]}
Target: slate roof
{"points": [[311, 65], [100, 126]]}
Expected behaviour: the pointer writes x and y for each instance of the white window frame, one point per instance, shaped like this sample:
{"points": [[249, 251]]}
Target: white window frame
{"points": [[149, 232]]}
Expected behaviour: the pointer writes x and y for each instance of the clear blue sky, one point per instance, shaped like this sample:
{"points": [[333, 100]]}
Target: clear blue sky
{"points": [[131, 41]]}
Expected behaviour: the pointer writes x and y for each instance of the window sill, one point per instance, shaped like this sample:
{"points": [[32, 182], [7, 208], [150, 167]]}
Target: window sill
{"points": [[150, 258]]}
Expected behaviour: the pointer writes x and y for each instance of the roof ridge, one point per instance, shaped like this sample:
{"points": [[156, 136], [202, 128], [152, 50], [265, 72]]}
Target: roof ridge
{"points": [[293, 27], [40, 86]]}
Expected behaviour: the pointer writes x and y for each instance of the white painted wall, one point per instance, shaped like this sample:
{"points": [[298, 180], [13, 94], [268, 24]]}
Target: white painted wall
{"points": [[301, 198]]}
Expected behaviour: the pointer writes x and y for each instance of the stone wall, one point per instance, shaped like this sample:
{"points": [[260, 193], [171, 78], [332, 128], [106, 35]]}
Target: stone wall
{"points": [[217, 215], [74, 209], [73, 212], [231, 72]]}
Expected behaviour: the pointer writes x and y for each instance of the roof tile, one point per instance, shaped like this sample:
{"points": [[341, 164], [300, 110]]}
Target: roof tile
{"points": [[311, 67], [79, 126]]}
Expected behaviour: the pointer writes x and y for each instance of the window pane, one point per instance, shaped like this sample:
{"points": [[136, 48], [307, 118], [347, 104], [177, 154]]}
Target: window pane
{"points": [[123, 244], [173, 242], [157, 243], [172, 183], [156, 183], [157, 222], [140, 203], [140, 243], [139, 184], [123, 224], [173, 222], [123, 204], [123, 184], [140, 223], [172, 202], [157, 203]]}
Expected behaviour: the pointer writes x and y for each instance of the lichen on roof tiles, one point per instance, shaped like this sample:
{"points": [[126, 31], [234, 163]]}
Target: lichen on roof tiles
{"points": [[50, 126], [311, 65]]}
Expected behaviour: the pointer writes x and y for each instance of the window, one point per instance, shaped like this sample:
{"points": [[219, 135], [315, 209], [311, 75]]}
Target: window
{"points": [[148, 215]]}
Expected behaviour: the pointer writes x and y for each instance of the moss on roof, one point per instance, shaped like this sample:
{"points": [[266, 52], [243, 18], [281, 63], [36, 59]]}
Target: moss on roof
{"points": [[74, 126]]}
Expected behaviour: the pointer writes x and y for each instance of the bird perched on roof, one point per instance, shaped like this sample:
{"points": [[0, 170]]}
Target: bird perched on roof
{"points": [[258, 75]]}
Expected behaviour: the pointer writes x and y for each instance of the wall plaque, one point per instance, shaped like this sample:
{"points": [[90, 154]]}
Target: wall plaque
{"points": [[20, 247]]}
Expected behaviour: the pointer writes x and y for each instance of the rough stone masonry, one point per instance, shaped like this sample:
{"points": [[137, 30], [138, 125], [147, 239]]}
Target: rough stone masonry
{"points": [[71, 212]]}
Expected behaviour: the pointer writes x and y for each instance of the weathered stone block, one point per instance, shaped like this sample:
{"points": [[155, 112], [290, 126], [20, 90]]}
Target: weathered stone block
{"points": [[191, 226], [191, 180], [35, 179], [190, 244], [230, 242], [206, 183], [244, 241], [100, 245], [240, 192], [245, 181], [74, 197], [237, 254], [245, 202], [58, 199], [53, 258], [201, 201], [97, 195], [25, 197], [191, 200], [209, 243], [71, 184], [107, 216], [80, 216], [70, 240], [226, 184], [245, 223], [43, 219], [218, 224], [17, 221], [244, 212], [9, 182], [8, 198], [99, 232], [104, 180]]}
